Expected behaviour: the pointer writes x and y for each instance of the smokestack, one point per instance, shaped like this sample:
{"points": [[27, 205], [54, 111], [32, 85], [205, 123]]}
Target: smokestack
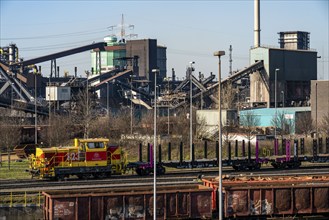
{"points": [[75, 71], [256, 23]]}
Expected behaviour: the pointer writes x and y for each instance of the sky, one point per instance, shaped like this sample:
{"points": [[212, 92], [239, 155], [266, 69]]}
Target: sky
{"points": [[191, 30]]}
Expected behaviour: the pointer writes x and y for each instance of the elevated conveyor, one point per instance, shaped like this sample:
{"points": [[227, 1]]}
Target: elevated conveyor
{"points": [[110, 79], [257, 66], [100, 45], [207, 91]]}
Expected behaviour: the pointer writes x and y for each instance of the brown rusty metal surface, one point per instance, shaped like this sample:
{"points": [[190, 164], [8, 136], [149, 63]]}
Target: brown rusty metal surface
{"points": [[254, 180], [23, 151], [64, 208], [191, 201], [266, 196], [277, 200]]}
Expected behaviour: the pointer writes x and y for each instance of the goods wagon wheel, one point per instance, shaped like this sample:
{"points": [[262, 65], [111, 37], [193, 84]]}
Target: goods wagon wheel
{"points": [[258, 166], [60, 177], [80, 176], [161, 170], [142, 172]]}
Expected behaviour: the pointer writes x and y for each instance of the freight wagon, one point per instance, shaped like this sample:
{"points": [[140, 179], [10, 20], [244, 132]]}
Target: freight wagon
{"points": [[282, 196], [173, 202]]}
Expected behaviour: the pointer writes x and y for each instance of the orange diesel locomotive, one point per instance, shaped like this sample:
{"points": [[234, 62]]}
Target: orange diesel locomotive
{"points": [[88, 158]]}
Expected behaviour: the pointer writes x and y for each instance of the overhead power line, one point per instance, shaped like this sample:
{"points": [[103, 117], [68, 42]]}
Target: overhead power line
{"points": [[56, 35]]}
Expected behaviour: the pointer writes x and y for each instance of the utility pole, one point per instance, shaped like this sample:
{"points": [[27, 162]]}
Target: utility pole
{"points": [[190, 71], [275, 100], [107, 100], [220, 194], [131, 104], [35, 110], [155, 71], [231, 73]]}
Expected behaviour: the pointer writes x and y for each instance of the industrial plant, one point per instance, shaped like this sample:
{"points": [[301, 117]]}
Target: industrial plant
{"points": [[126, 72], [253, 144]]}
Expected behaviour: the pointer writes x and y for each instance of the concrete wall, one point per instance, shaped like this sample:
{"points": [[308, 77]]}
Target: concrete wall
{"points": [[258, 91], [208, 119], [296, 69], [146, 50], [319, 99]]}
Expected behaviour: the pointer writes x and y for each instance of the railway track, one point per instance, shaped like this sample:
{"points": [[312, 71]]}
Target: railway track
{"points": [[108, 183], [176, 177]]}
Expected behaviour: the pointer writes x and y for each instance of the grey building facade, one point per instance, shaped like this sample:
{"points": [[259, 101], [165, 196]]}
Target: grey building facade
{"points": [[319, 100], [295, 70], [150, 56]]}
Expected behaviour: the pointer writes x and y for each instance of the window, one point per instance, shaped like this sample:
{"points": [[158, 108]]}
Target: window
{"points": [[95, 145]]}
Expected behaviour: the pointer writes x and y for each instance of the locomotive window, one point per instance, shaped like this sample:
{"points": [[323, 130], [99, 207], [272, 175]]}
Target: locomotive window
{"points": [[94, 145]]}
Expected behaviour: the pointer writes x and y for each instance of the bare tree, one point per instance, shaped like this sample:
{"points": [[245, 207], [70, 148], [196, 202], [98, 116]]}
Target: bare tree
{"points": [[250, 121], [100, 127], [304, 124], [283, 124], [59, 131], [228, 131], [181, 123], [228, 95], [9, 135], [121, 121], [202, 130], [324, 126], [83, 112]]}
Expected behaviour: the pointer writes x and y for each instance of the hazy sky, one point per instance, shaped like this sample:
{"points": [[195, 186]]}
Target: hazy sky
{"points": [[191, 30]]}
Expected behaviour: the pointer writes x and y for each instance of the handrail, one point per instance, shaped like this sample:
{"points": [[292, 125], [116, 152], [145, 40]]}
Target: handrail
{"points": [[21, 199]]}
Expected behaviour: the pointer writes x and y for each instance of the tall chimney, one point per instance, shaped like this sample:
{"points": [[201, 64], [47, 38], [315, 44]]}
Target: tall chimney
{"points": [[256, 23]]}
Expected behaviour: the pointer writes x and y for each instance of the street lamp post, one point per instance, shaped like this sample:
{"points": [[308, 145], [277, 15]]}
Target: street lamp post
{"points": [[275, 101], [86, 131], [168, 113], [11, 99], [155, 71], [316, 109], [220, 195], [282, 92], [190, 71], [35, 110], [107, 99], [131, 104]]}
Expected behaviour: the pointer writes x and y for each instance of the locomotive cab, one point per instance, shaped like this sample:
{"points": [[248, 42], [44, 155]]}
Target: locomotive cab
{"points": [[92, 151]]}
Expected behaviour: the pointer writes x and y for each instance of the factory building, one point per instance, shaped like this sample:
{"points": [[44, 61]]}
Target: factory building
{"points": [[294, 40], [266, 116], [141, 56], [319, 100], [150, 56], [119, 55], [289, 67], [207, 121], [110, 57]]}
